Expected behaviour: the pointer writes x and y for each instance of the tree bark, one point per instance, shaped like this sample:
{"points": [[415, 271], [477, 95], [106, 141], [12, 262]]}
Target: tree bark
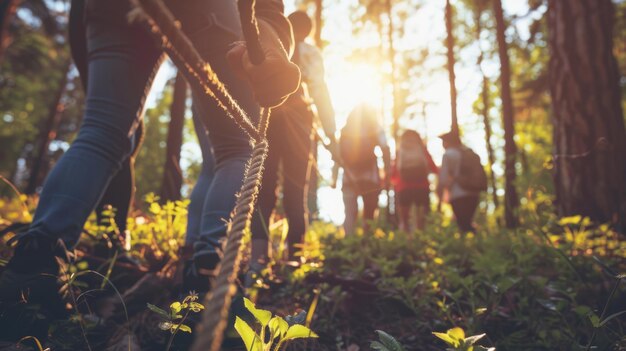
{"points": [[392, 61], [488, 132], [485, 110], [8, 9], [589, 133], [319, 23], [511, 200], [47, 133], [451, 62], [172, 174]]}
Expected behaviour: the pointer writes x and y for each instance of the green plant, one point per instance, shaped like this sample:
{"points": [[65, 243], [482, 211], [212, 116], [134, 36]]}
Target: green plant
{"points": [[281, 331], [174, 320], [386, 342], [455, 338]]}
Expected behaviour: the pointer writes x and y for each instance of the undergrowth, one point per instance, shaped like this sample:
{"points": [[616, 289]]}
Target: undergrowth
{"points": [[548, 285]]}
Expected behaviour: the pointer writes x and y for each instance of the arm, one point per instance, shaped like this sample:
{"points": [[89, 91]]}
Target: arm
{"points": [[382, 142], [313, 74], [445, 175], [431, 164], [276, 78], [271, 12]]}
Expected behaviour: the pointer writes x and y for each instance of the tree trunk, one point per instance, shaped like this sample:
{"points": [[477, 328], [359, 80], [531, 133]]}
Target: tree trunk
{"points": [[451, 63], [47, 134], [511, 200], [490, 153], [319, 23], [485, 110], [172, 174], [7, 12], [395, 115], [589, 133]]}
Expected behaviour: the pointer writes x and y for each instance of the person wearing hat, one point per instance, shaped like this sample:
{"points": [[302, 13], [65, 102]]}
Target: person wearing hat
{"points": [[464, 202]]}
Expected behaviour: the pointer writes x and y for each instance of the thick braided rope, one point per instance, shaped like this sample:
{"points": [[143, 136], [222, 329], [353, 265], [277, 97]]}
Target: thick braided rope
{"points": [[215, 316], [214, 319], [197, 71]]}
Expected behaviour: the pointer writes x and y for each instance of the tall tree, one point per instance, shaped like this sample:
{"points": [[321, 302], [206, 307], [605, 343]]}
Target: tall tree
{"points": [[511, 200], [319, 23], [172, 175], [479, 9], [395, 114], [7, 12], [589, 133], [47, 133], [451, 64]]}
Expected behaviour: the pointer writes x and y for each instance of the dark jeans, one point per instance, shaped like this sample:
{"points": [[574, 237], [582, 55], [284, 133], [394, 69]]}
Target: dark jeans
{"points": [[289, 138], [200, 194], [464, 209], [122, 61]]}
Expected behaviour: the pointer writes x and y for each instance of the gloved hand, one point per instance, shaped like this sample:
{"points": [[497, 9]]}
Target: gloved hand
{"points": [[273, 80]]}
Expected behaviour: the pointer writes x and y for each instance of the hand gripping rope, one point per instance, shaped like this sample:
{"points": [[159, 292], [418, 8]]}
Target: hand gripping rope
{"points": [[200, 75]]}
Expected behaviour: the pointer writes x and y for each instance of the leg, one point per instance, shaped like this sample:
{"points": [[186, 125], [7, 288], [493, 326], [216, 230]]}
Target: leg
{"points": [[370, 206], [200, 190], [121, 61], [231, 146], [404, 209], [295, 173], [422, 202], [464, 209], [351, 209]]}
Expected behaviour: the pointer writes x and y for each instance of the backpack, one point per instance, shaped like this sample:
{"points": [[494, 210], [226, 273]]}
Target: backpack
{"points": [[356, 149], [471, 175], [411, 161]]}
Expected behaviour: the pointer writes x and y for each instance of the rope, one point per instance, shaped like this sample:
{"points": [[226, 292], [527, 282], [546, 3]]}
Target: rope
{"points": [[198, 72], [200, 75]]}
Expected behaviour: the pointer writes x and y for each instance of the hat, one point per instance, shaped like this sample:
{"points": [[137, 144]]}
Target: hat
{"points": [[451, 136]]}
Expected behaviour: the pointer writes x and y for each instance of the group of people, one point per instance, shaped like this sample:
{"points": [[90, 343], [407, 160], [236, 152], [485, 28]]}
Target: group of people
{"points": [[461, 176], [117, 61]]}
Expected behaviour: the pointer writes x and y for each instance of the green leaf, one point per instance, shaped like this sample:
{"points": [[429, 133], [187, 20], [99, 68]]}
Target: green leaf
{"points": [[447, 339], [389, 341], [176, 307], [278, 326], [262, 316], [196, 307], [375, 345], [609, 318], [161, 312], [299, 331], [184, 328], [595, 320], [471, 340], [249, 337]]}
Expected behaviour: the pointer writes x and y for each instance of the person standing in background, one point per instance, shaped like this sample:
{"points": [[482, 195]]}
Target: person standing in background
{"points": [[289, 135], [409, 176], [464, 201]]}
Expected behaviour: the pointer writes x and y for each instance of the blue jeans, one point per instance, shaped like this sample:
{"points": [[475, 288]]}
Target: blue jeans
{"points": [[122, 61], [199, 195]]}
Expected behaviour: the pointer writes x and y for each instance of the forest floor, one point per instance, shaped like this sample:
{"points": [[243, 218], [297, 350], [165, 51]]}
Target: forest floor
{"points": [[548, 285]]}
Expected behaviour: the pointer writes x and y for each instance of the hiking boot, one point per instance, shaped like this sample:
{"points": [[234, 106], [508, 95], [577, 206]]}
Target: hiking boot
{"points": [[29, 286], [205, 257]]}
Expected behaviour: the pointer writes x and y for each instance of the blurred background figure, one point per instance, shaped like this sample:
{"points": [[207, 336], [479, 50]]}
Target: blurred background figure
{"points": [[409, 176], [362, 176], [462, 177]]}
